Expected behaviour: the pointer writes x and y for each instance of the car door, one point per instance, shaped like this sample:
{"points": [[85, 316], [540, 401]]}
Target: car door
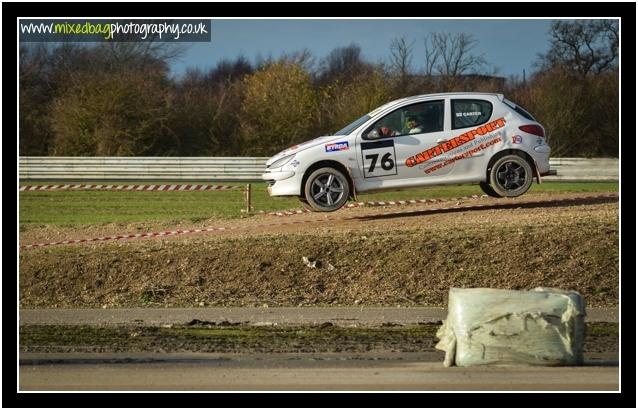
{"points": [[392, 155], [469, 114], [475, 121]]}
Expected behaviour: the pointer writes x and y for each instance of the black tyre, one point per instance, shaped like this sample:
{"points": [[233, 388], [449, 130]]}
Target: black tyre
{"points": [[511, 176], [489, 190], [304, 202], [326, 190]]}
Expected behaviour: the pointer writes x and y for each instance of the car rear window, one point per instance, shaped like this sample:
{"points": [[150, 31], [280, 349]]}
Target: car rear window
{"points": [[470, 113], [519, 110]]}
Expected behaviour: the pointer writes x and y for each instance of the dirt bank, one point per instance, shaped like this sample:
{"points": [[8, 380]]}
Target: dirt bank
{"points": [[410, 260]]}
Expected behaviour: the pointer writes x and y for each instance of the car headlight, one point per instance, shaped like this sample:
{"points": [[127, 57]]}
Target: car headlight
{"points": [[281, 161]]}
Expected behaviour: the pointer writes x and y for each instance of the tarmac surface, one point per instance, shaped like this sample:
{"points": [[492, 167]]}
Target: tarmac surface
{"points": [[323, 371], [305, 373]]}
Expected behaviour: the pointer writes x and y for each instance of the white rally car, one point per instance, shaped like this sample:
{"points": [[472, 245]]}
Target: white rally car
{"points": [[450, 138]]}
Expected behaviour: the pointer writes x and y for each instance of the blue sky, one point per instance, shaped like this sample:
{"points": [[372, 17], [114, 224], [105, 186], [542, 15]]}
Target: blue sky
{"points": [[508, 45]]}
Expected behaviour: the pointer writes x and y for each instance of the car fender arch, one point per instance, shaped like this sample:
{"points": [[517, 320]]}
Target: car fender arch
{"points": [[520, 153], [333, 164]]}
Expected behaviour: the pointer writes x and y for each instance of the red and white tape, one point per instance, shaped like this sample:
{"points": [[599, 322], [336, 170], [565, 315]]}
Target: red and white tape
{"points": [[378, 203], [126, 236], [166, 187], [491, 205], [325, 219], [155, 234]]}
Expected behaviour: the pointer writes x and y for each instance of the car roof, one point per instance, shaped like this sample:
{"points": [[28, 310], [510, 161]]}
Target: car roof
{"points": [[414, 97], [421, 96]]}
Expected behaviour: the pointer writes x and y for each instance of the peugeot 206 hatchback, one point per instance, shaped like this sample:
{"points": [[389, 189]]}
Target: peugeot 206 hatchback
{"points": [[451, 138]]}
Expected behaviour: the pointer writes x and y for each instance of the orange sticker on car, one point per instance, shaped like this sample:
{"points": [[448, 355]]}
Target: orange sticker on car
{"points": [[454, 143], [467, 154]]}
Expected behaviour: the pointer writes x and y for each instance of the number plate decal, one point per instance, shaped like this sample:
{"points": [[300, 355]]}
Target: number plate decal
{"points": [[379, 158]]}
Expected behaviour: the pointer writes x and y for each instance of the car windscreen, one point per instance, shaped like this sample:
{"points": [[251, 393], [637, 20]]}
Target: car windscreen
{"points": [[352, 126]]}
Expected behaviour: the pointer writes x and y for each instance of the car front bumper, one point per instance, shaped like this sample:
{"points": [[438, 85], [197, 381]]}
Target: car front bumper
{"points": [[282, 183]]}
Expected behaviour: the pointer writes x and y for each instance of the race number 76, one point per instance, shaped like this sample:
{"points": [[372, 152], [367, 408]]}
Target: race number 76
{"points": [[379, 158], [386, 161]]}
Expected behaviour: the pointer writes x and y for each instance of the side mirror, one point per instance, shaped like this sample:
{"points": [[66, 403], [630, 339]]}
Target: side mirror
{"points": [[373, 135]]}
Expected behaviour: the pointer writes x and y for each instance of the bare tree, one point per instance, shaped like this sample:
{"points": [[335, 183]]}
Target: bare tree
{"points": [[229, 70], [303, 58], [130, 52], [584, 46], [149, 54], [431, 56], [401, 56], [343, 62], [451, 54]]}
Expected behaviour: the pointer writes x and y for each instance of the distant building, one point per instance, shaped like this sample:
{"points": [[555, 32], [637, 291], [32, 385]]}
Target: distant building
{"points": [[466, 82], [499, 81]]}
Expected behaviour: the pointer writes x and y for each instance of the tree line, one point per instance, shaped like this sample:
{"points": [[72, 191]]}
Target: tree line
{"points": [[119, 99]]}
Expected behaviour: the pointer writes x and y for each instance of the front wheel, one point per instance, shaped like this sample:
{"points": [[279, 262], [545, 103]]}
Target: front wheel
{"points": [[304, 203], [511, 176], [326, 190]]}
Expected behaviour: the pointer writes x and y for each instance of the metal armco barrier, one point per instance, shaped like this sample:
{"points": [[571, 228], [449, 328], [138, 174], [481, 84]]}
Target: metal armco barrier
{"points": [[239, 169], [236, 169], [584, 169]]}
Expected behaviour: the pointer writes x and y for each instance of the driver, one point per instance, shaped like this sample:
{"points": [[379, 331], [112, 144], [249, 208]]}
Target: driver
{"points": [[387, 132], [413, 126]]}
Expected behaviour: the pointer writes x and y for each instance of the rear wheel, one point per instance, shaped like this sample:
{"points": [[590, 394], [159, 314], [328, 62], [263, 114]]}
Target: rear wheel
{"points": [[326, 190], [489, 190], [511, 176]]}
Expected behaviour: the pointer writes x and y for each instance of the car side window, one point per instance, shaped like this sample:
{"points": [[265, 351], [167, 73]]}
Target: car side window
{"points": [[417, 118], [470, 113]]}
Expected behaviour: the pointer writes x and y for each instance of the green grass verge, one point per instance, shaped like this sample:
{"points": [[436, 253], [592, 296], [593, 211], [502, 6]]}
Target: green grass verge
{"points": [[247, 339], [101, 207], [309, 339]]}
